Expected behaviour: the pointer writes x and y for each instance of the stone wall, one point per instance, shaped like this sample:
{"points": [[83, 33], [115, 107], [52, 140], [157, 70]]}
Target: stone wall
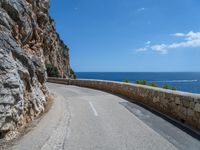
{"points": [[182, 106]]}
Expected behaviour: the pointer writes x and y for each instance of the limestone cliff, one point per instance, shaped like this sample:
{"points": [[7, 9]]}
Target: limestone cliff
{"points": [[28, 41]]}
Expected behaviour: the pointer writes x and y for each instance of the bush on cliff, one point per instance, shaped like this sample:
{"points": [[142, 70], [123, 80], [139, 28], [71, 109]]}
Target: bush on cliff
{"points": [[126, 81], [142, 82], [73, 75], [52, 71], [153, 84], [165, 86], [174, 88]]}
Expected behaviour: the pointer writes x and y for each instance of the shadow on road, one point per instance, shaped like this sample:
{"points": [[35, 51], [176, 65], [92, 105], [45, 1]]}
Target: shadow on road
{"points": [[175, 132]]}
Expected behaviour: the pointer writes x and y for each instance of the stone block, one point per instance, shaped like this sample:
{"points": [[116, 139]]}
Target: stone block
{"points": [[177, 101], [192, 104], [190, 112], [197, 107], [156, 99], [186, 103]]}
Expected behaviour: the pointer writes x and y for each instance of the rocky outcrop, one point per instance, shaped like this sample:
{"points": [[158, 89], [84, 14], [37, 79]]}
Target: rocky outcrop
{"points": [[28, 41]]}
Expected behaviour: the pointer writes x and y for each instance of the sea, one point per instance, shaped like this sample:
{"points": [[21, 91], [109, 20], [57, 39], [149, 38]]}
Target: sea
{"points": [[183, 81]]}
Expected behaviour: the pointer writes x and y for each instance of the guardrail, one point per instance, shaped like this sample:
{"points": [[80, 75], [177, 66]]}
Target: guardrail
{"points": [[182, 106]]}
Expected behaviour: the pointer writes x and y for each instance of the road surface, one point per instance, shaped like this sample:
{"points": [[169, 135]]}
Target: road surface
{"points": [[86, 119]]}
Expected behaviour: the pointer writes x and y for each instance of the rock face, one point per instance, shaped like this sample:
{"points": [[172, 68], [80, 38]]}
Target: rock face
{"points": [[28, 41]]}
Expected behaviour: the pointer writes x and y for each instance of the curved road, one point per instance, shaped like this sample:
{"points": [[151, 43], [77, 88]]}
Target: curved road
{"points": [[86, 119]]}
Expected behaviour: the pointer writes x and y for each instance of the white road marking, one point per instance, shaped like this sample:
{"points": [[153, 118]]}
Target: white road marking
{"points": [[94, 110]]}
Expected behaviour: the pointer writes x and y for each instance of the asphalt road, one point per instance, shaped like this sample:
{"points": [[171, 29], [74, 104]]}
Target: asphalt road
{"points": [[86, 119]]}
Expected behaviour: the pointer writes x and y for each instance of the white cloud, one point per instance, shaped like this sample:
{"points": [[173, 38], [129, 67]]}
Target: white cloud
{"points": [[160, 48], [142, 49], [190, 40], [147, 45], [148, 42], [140, 9], [179, 34], [192, 35]]}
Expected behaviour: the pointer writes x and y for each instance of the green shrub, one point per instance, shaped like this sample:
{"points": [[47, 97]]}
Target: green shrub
{"points": [[142, 82], [126, 81], [174, 88], [137, 82], [165, 86], [52, 71], [153, 84], [73, 75]]}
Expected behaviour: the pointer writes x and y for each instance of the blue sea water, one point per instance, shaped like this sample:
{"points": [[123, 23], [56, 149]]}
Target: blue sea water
{"points": [[183, 81]]}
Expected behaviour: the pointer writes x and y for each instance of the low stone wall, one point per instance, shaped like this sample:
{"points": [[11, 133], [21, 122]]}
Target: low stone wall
{"points": [[181, 106]]}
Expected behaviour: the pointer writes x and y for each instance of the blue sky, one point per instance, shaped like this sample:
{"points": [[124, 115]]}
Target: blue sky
{"points": [[130, 35]]}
